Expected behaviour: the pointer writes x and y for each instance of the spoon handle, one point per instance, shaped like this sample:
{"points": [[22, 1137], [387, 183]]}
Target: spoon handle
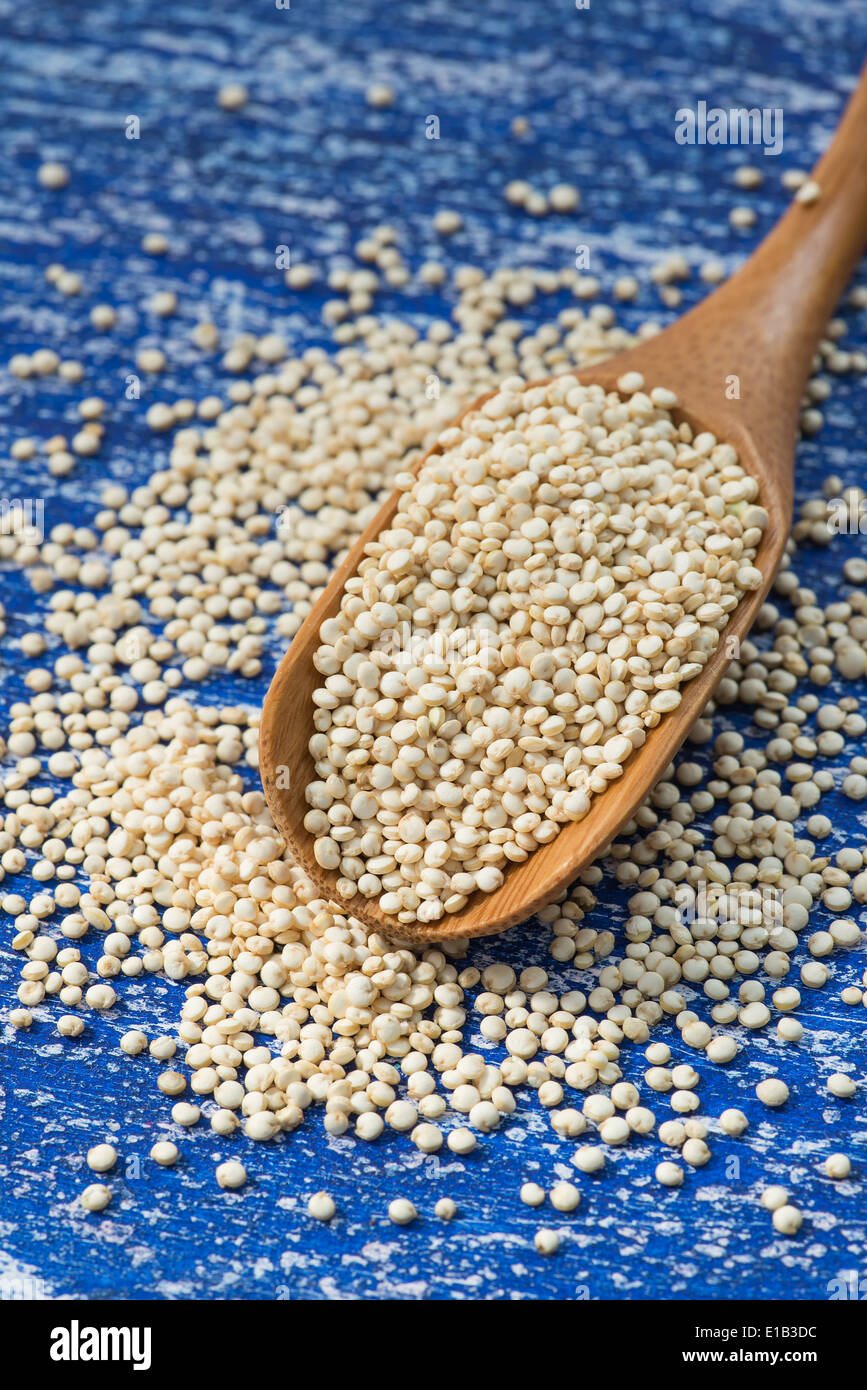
{"points": [[755, 337]]}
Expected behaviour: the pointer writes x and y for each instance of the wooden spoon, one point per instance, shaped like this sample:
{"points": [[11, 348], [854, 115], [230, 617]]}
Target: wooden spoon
{"points": [[738, 362]]}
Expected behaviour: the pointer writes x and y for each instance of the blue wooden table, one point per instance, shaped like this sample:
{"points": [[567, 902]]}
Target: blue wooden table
{"points": [[308, 163]]}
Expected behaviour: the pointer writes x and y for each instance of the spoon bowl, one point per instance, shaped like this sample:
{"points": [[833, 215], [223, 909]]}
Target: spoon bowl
{"points": [[738, 362]]}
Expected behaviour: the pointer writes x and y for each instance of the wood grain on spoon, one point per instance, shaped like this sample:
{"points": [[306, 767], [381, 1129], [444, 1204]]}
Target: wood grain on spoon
{"points": [[760, 328]]}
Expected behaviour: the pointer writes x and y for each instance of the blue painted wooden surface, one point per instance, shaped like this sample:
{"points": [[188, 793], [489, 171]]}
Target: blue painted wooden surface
{"points": [[309, 164]]}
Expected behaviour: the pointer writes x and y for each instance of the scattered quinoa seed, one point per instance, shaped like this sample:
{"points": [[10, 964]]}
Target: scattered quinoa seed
{"points": [[772, 1092], [787, 1220], [669, 1174], [321, 1206], [838, 1166], [231, 1174], [841, 1085], [532, 1194], [774, 1197], [165, 1153], [554, 578], [101, 1158], [53, 175], [233, 96], [564, 1196], [379, 94], [401, 1211], [96, 1197]]}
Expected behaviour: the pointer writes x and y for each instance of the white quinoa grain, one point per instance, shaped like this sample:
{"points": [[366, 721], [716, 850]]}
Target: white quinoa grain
{"points": [[772, 1091], [564, 197], [103, 317], [733, 1122], [428, 1138], [185, 1114], [589, 1159], [839, 1084], [401, 1211], [742, 217], [695, 1152], [165, 1153], [446, 222], [774, 1197], [96, 1197], [52, 174], [532, 1195], [793, 178], [233, 96], [564, 1196], [669, 1174], [369, 1126], [838, 1166], [321, 1206], [790, 1030], [231, 1174], [102, 1157], [172, 1083], [787, 1220], [722, 1050], [461, 1141], [379, 94], [748, 176]]}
